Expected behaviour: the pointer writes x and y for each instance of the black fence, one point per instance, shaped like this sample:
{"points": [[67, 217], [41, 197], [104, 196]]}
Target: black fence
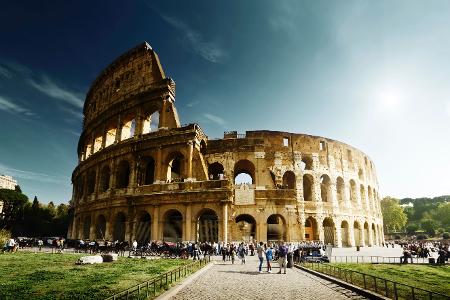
{"points": [[378, 259], [381, 286], [152, 288]]}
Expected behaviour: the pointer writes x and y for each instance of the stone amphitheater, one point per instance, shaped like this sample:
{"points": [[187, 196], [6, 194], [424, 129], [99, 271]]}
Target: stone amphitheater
{"points": [[142, 175]]}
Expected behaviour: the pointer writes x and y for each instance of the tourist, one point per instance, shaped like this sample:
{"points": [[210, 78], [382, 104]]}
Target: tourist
{"points": [[282, 256], [40, 244], [134, 245], [269, 258], [224, 252], [242, 253], [260, 251], [233, 253]]}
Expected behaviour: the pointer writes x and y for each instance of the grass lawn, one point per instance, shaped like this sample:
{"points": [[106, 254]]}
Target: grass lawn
{"points": [[427, 277], [50, 276]]}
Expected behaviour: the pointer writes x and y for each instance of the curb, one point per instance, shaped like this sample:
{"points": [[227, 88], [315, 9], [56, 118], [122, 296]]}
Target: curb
{"points": [[366, 293], [178, 286]]}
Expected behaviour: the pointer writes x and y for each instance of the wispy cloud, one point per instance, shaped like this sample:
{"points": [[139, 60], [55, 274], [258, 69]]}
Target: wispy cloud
{"points": [[30, 175], [193, 103], [284, 17], [11, 107], [215, 119], [208, 50], [76, 113], [50, 88], [5, 72]]}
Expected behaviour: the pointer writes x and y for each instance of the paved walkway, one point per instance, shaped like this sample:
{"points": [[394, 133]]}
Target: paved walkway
{"points": [[227, 281]]}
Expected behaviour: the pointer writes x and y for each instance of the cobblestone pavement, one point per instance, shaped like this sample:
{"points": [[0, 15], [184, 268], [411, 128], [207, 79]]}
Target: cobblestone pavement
{"points": [[227, 281]]}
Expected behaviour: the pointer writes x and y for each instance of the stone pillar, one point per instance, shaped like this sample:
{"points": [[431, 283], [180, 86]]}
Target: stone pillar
{"points": [[320, 230], [302, 221], [108, 235], [159, 166], [370, 236], [347, 195], [74, 228], [351, 232], [338, 234], [225, 223], [139, 123], [333, 192], [187, 236], [155, 224], [92, 228], [119, 129], [190, 150], [104, 134], [363, 236]]}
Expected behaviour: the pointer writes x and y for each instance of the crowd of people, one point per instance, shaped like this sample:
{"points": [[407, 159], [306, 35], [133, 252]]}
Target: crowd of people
{"points": [[422, 249]]}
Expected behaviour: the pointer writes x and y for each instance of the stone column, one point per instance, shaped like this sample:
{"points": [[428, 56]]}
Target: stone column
{"points": [[302, 221], [225, 223], [104, 135], [370, 236], [159, 166], [119, 129], [108, 228], [320, 230], [139, 123], [363, 236], [351, 233], [187, 232], [190, 150], [92, 229], [333, 192], [347, 195], [155, 224], [338, 233]]}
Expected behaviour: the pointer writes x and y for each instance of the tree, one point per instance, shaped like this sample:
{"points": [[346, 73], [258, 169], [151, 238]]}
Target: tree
{"points": [[411, 228], [18, 189], [394, 217], [13, 208], [442, 213], [429, 226]]}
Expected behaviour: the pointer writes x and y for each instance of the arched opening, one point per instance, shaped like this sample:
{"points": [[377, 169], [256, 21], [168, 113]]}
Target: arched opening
{"points": [[360, 174], [149, 175], [175, 167], [215, 171], [88, 150], [328, 230], [120, 227], [86, 227], [173, 226], [208, 226], [289, 180], [100, 227], [105, 178], [98, 143], [366, 234], [357, 233], [79, 188], [151, 123], [311, 229], [128, 129], [244, 172], [345, 234], [308, 182], [340, 187], [123, 174], [276, 228], [325, 184], [246, 226], [353, 196], [91, 182], [374, 235], [110, 136], [307, 162], [203, 147], [143, 226]]}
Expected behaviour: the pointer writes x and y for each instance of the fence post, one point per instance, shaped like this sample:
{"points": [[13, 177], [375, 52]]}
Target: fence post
{"points": [[413, 296], [154, 287], [364, 278], [395, 291], [375, 281], [146, 293], [128, 293], [167, 275], [431, 295], [351, 277]]}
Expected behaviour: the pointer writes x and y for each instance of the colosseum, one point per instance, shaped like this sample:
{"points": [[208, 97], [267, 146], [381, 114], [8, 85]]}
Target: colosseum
{"points": [[142, 175]]}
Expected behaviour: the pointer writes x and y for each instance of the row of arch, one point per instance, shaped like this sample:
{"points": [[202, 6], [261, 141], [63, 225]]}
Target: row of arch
{"points": [[127, 129], [207, 228]]}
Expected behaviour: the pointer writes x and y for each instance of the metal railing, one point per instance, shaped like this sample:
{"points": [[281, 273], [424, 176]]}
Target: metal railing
{"points": [[381, 286], [152, 288], [378, 259]]}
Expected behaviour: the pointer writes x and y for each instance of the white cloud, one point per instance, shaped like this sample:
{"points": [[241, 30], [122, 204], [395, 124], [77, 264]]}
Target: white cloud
{"points": [[11, 107], [215, 119], [73, 112], [48, 87], [192, 103], [209, 50], [30, 175]]}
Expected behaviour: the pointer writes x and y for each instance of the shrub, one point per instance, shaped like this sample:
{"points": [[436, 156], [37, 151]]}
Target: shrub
{"points": [[421, 236], [397, 237], [5, 235], [446, 235]]}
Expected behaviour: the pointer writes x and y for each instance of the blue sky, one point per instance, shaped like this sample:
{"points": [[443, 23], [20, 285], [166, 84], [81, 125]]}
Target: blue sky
{"points": [[373, 74]]}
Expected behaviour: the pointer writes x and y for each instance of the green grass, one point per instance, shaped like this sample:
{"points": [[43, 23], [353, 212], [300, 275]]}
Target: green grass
{"points": [[50, 276], [427, 277]]}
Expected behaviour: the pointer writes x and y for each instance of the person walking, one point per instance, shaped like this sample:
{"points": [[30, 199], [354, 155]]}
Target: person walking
{"points": [[269, 258], [260, 251], [224, 252], [242, 253], [282, 256]]}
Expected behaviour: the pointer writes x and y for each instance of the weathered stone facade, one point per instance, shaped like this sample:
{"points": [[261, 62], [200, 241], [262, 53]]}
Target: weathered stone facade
{"points": [[141, 175]]}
